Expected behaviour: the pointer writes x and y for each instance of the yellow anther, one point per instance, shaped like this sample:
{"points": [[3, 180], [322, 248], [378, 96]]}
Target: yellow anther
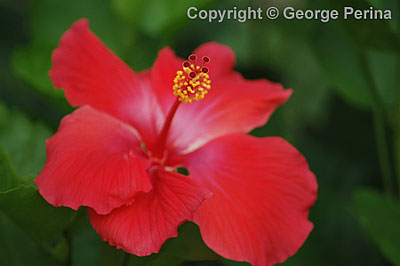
{"points": [[192, 82]]}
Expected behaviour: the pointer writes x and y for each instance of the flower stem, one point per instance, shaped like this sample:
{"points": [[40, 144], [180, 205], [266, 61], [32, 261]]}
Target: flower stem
{"points": [[397, 150], [68, 238], [397, 132], [379, 126], [126, 259], [158, 151]]}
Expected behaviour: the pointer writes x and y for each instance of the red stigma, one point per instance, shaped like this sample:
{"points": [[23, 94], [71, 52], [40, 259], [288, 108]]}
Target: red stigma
{"points": [[206, 59], [193, 57]]}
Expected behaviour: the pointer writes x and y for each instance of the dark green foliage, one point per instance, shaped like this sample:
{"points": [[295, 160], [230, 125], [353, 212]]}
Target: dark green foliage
{"points": [[346, 100]]}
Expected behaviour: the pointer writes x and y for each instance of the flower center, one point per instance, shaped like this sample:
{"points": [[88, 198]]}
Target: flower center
{"points": [[192, 83]]}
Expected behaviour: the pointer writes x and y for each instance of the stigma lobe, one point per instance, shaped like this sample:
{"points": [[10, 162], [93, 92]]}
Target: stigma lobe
{"points": [[192, 83]]}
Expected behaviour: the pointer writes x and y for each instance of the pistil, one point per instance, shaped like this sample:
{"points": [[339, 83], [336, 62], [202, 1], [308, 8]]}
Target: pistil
{"points": [[160, 146], [190, 84]]}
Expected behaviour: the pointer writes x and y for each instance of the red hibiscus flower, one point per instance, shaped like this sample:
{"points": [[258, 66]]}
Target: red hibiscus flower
{"points": [[118, 153]]}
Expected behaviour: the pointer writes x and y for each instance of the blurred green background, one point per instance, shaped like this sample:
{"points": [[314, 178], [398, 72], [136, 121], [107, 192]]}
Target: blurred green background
{"points": [[344, 116]]}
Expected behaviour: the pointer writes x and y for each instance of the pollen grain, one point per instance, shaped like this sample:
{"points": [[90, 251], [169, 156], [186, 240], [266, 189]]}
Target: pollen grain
{"points": [[192, 83]]}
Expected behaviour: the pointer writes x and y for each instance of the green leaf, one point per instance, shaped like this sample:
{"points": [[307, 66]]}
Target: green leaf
{"points": [[130, 10], [188, 245], [9, 178], [384, 69], [16, 248], [396, 145], [161, 261], [309, 101], [339, 59], [26, 208], [151, 16], [32, 63], [110, 256], [235, 263], [24, 140], [367, 33], [154, 260], [380, 217], [85, 242]]}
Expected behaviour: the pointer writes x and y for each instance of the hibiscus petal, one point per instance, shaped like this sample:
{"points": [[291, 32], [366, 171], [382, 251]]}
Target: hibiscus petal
{"points": [[233, 105], [167, 64], [142, 228], [163, 74], [93, 160], [91, 74], [222, 58], [262, 191]]}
